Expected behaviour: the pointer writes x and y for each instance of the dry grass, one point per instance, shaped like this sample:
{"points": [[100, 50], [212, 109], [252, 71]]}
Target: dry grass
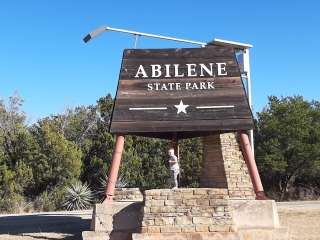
{"points": [[304, 224]]}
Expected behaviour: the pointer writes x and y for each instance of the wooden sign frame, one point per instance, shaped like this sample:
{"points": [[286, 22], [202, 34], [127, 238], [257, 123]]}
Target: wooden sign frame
{"points": [[185, 92]]}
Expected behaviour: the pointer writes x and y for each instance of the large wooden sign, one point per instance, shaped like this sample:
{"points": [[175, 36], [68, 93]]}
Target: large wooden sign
{"points": [[187, 92]]}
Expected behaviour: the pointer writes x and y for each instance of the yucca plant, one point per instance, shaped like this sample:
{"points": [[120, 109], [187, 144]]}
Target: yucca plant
{"points": [[121, 183], [78, 196]]}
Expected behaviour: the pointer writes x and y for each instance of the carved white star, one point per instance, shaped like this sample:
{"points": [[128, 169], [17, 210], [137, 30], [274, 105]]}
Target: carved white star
{"points": [[181, 107]]}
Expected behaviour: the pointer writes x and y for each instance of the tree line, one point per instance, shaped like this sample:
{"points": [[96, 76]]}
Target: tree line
{"points": [[38, 161]]}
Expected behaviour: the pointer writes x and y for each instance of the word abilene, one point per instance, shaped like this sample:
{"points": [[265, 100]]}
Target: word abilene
{"points": [[177, 86], [183, 70]]}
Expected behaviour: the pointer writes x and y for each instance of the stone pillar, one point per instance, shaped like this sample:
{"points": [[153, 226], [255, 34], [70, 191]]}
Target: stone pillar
{"points": [[224, 166], [213, 173]]}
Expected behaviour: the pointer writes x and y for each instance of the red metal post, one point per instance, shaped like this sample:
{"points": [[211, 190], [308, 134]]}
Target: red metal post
{"points": [[252, 166], [113, 174]]}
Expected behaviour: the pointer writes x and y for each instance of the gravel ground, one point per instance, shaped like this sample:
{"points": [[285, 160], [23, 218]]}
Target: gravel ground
{"points": [[302, 218]]}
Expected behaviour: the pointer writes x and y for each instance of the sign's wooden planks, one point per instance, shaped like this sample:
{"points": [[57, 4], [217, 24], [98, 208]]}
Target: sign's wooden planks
{"points": [[186, 91]]}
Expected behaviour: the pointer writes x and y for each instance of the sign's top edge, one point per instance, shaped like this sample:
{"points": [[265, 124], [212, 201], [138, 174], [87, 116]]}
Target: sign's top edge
{"points": [[190, 48]]}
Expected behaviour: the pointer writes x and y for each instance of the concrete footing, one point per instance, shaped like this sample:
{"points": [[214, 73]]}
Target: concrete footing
{"points": [[281, 233], [116, 217], [244, 234], [257, 220], [252, 220], [94, 235], [254, 213], [186, 236]]}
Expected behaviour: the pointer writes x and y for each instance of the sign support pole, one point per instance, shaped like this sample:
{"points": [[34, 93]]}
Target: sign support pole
{"points": [[252, 166], [136, 37], [114, 169], [246, 66]]}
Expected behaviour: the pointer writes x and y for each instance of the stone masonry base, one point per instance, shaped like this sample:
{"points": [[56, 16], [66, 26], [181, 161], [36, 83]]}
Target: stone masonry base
{"points": [[189, 214], [186, 210]]}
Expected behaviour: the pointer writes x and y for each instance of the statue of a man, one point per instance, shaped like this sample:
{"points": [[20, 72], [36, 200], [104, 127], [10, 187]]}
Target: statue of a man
{"points": [[174, 167]]}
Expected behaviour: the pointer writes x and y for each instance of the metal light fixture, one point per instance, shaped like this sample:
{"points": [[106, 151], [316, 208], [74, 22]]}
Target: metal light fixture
{"points": [[100, 30]]}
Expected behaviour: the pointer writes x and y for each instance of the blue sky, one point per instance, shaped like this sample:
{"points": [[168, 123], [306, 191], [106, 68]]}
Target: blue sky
{"points": [[43, 58]]}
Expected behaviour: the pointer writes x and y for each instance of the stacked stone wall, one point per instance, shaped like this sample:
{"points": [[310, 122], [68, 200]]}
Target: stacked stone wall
{"points": [[186, 210], [128, 194]]}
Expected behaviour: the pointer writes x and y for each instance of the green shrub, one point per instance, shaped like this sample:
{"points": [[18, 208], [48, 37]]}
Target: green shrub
{"points": [[44, 203], [50, 200], [14, 203]]}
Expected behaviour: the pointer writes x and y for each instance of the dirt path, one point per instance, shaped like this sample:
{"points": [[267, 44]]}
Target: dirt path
{"points": [[303, 219], [45, 226]]}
